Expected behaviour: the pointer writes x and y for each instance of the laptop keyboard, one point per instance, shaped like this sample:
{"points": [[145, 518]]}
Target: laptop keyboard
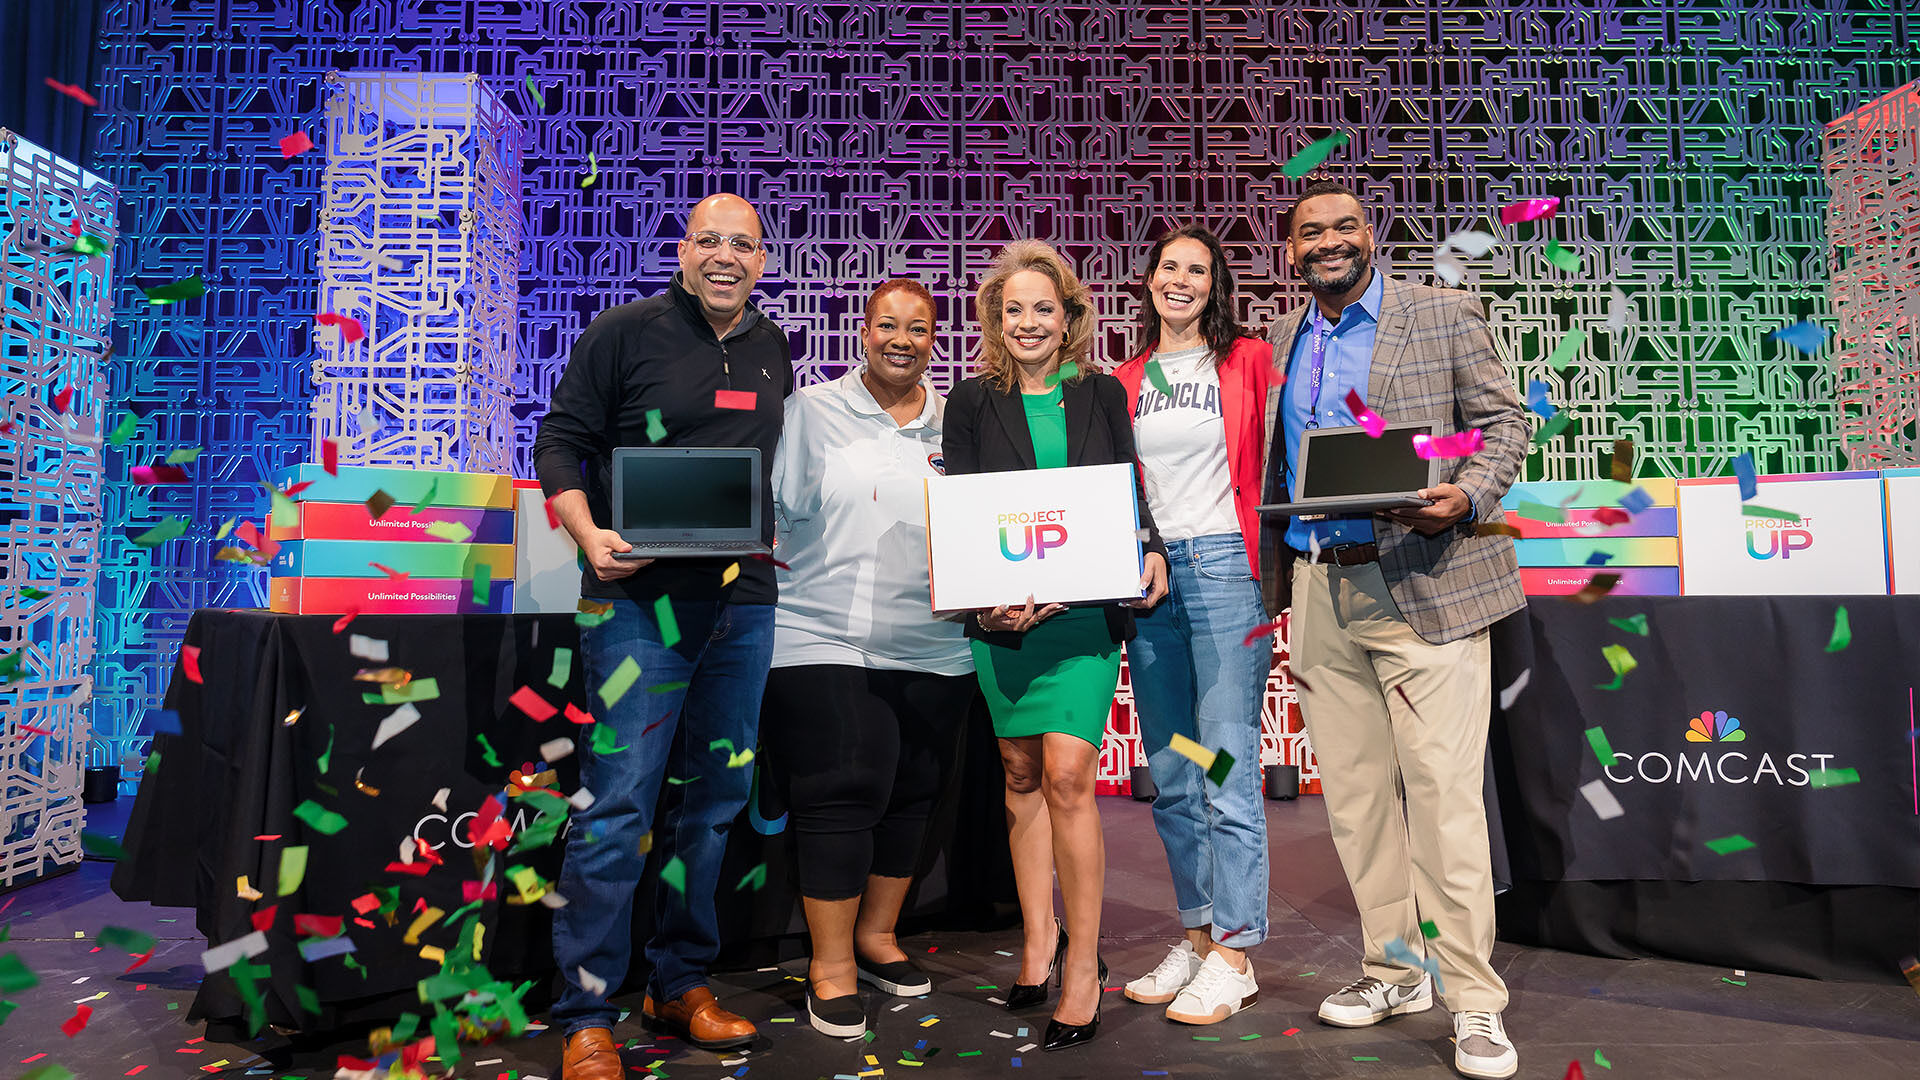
{"points": [[695, 545]]}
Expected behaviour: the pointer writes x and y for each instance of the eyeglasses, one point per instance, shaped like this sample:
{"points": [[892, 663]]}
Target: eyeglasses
{"points": [[706, 242]]}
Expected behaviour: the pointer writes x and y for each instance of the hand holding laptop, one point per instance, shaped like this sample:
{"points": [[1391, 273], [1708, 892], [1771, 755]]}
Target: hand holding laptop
{"points": [[1449, 505]]}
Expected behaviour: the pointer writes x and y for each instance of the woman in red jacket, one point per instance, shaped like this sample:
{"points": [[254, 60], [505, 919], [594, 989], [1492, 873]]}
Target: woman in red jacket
{"points": [[1197, 391]]}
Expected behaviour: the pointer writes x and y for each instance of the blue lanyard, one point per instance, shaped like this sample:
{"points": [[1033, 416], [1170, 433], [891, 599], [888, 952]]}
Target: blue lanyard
{"points": [[1318, 353]]}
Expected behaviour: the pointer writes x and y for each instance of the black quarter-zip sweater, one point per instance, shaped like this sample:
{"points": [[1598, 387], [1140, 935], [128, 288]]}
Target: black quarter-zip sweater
{"points": [[660, 353]]}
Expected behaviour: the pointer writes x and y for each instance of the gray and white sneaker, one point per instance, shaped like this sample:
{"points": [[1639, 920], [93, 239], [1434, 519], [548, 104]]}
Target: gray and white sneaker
{"points": [[1481, 1048], [1215, 994], [1367, 1001], [1164, 983]]}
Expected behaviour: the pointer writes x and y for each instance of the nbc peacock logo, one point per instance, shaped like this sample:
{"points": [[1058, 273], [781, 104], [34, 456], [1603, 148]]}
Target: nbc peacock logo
{"points": [[1715, 726]]}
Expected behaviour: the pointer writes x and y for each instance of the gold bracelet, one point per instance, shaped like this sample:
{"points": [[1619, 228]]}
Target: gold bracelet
{"points": [[981, 618]]}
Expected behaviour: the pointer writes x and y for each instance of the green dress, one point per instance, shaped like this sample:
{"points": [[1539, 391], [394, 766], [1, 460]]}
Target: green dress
{"points": [[1063, 676]]}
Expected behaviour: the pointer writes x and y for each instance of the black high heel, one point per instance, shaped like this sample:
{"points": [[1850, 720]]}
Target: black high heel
{"points": [[1060, 1036], [1027, 995]]}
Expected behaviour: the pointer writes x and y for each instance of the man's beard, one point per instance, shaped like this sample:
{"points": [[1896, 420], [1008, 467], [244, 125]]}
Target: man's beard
{"points": [[1357, 264]]}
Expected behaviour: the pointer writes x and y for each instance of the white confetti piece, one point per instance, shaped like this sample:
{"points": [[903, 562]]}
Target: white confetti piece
{"points": [[440, 799], [591, 983], [555, 749], [367, 648], [581, 799], [396, 722], [222, 957], [1449, 267], [1470, 243], [1602, 800], [1619, 312], [1511, 693]]}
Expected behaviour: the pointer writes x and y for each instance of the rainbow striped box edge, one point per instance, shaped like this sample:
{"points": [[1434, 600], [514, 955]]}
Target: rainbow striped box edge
{"points": [[379, 596], [351, 521], [1586, 494], [355, 559], [1634, 580], [357, 483], [1625, 551]]}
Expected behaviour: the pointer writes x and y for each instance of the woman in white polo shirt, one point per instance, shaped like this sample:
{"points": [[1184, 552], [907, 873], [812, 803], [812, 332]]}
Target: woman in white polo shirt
{"points": [[868, 691]]}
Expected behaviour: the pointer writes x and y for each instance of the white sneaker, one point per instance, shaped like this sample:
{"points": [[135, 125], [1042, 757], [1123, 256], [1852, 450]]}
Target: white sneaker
{"points": [[1163, 984], [1367, 1001], [1215, 994], [1481, 1048]]}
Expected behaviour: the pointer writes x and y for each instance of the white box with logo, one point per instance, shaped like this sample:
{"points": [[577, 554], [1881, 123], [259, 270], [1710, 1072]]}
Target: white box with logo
{"points": [[1903, 528], [1837, 547], [546, 567], [1062, 536]]}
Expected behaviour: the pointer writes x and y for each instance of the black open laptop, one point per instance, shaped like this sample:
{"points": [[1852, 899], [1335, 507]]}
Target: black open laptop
{"points": [[1344, 471], [687, 500]]}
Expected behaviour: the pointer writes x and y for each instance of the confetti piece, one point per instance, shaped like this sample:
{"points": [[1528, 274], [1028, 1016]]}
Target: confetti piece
{"points": [[1537, 391], [554, 749], [1312, 154], [1749, 480], [593, 171], [1533, 511], [669, 626], [74, 92], [1466, 444], [127, 941], [756, 879], [1364, 416], [1602, 749], [1910, 967], [1599, 586], [618, 683], [1727, 845], [605, 740], [1470, 243], [395, 722], [575, 715], [295, 144], [222, 957], [1601, 1060], [451, 531], [1825, 778], [1562, 258], [293, 869], [1159, 379], [732, 571], [15, 976], [320, 819], [171, 529], [744, 400], [538, 101], [674, 875], [49, 1071], [1750, 510], [392, 574], [1604, 804], [1573, 1072], [1449, 267], [655, 429], [1621, 661], [1512, 692], [190, 663], [433, 490], [177, 291], [482, 583], [1496, 528], [1636, 501], [1222, 765], [1263, 631], [367, 648], [1632, 624], [124, 430], [1562, 356], [1620, 468], [1529, 210], [1192, 751], [1842, 630], [1066, 371], [562, 668], [1555, 424], [1803, 335], [350, 328]]}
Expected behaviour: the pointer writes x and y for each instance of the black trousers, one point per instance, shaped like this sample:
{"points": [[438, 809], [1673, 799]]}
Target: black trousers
{"points": [[861, 756]]}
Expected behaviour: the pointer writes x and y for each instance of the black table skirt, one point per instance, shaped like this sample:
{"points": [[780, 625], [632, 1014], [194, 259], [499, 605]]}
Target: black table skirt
{"points": [[1831, 886], [237, 771]]}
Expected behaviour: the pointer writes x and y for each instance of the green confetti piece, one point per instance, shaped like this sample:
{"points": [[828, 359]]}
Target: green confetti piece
{"points": [[1360, 1057], [426, 500], [676, 781], [586, 620], [1534, 511], [538, 101], [674, 875], [415, 690], [968, 1053], [183, 456], [89, 244], [722, 745], [621, 681], [1735, 982], [32, 593], [1602, 749], [1622, 662], [655, 429], [1842, 630], [1547, 431], [1206, 1038], [285, 512], [452, 531], [1727, 845], [606, 740], [1562, 356], [327, 754], [1751, 510], [6, 1010], [48, 1071], [128, 941], [293, 869], [176, 291], [669, 626], [1311, 155], [123, 430], [309, 999], [562, 668], [1222, 765], [1632, 624], [756, 879], [320, 819], [1834, 777], [171, 529], [666, 687], [15, 975], [1600, 1059], [1562, 258], [1159, 378], [486, 751], [1249, 1038], [482, 582], [1428, 930], [100, 844], [1064, 372], [593, 171]]}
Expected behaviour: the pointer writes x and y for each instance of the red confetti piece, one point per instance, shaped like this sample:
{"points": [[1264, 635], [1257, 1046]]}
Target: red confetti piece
{"points": [[1529, 210], [32, 730], [78, 1021], [75, 93], [1574, 1072], [1611, 515], [350, 328], [62, 398], [263, 919], [330, 456], [553, 519], [340, 623], [365, 903], [575, 714], [268, 837], [190, 662], [735, 399], [140, 959], [297, 488], [473, 890], [412, 869], [1291, 1031], [1264, 630], [766, 558], [1465, 444], [390, 572], [136, 1070], [250, 532], [529, 701], [74, 228], [158, 474], [295, 144], [1364, 416]]}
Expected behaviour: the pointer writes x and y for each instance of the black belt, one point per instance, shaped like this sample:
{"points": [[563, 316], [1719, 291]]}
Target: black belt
{"points": [[1348, 554]]}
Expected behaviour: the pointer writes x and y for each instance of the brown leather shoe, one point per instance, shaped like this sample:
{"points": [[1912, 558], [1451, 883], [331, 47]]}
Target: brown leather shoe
{"points": [[696, 1017], [591, 1054]]}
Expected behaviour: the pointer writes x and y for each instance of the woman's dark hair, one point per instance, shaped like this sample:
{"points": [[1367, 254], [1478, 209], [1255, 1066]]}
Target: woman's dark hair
{"points": [[1218, 326]]}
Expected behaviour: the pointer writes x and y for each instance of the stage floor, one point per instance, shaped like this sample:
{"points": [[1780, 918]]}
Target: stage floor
{"points": [[1649, 1018]]}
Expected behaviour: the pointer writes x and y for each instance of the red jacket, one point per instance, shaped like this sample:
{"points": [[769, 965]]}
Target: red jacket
{"points": [[1245, 376]]}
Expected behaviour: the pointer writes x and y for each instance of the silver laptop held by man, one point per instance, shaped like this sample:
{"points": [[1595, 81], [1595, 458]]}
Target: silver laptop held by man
{"points": [[1345, 472], [685, 500]]}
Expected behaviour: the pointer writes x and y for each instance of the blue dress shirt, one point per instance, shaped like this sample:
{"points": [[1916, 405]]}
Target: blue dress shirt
{"points": [[1349, 362]]}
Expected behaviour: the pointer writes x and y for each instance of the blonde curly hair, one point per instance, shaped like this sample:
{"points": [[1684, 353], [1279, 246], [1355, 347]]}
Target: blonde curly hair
{"points": [[1076, 345]]}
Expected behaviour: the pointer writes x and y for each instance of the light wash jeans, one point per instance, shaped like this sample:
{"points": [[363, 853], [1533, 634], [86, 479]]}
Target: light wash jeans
{"points": [[1192, 676]]}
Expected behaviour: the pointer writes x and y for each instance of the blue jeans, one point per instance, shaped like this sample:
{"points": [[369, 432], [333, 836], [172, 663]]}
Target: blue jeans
{"points": [[1192, 676], [722, 655]]}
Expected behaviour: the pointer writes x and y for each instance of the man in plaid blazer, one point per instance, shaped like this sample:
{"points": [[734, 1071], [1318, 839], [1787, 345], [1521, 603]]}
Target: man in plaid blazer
{"points": [[1390, 614]]}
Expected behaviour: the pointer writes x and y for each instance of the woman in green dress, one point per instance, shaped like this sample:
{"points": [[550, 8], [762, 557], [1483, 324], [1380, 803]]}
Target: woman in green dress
{"points": [[1049, 672]]}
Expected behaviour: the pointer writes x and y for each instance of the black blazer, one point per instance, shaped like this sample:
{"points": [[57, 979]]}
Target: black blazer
{"points": [[986, 431]]}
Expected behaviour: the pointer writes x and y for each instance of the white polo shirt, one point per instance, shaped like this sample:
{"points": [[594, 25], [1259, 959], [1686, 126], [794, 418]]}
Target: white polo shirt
{"points": [[851, 519]]}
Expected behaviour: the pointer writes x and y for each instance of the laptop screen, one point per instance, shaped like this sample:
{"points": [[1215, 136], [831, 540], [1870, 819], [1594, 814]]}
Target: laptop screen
{"points": [[677, 492], [1354, 463]]}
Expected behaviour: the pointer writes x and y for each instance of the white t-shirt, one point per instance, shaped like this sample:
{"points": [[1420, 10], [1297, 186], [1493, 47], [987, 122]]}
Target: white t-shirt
{"points": [[1182, 441], [851, 520]]}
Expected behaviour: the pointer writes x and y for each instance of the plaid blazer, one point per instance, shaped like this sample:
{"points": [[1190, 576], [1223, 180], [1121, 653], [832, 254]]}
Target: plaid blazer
{"points": [[1433, 359]]}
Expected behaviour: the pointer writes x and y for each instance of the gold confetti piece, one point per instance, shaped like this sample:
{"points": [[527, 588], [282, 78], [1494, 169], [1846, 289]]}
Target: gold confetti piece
{"points": [[646, 844], [1192, 751], [426, 919], [365, 788], [386, 676], [292, 718], [732, 571], [433, 953], [245, 891]]}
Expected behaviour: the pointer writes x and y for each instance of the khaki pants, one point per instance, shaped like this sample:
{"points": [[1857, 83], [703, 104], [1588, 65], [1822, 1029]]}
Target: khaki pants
{"points": [[1401, 775]]}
